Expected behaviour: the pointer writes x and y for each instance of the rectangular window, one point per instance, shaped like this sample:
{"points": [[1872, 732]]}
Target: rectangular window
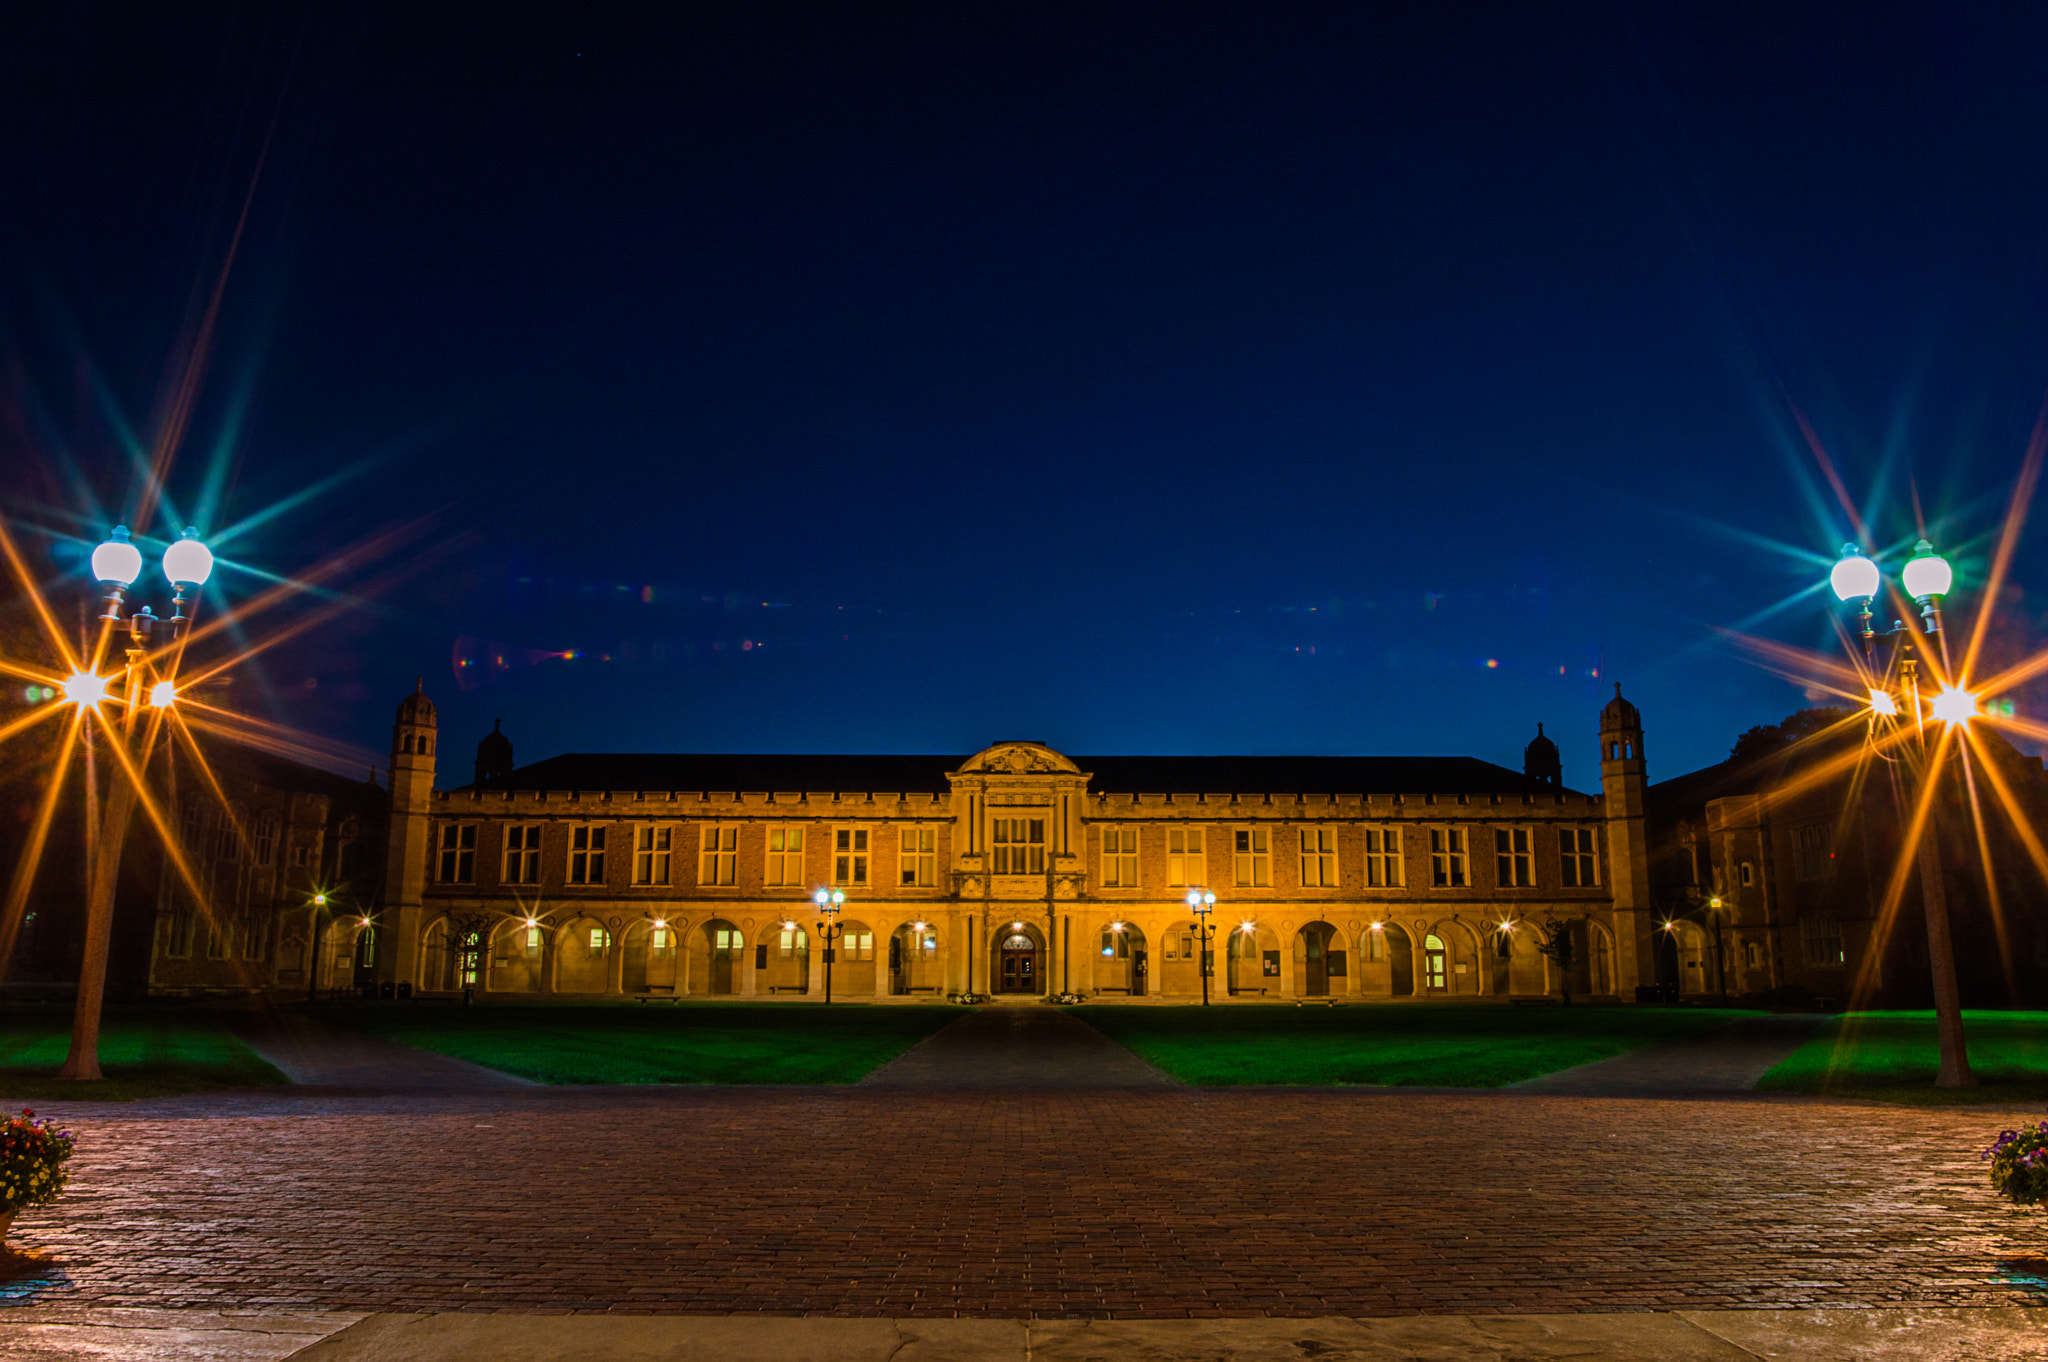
{"points": [[1747, 875], [532, 942], [1449, 860], [1318, 858], [1511, 860], [1184, 857], [1018, 846], [1119, 858], [726, 939], [718, 856], [785, 857], [299, 857], [458, 853], [266, 839], [522, 854], [792, 940], [849, 856], [857, 945], [600, 941], [1375, 946], [1576, 858], [1254, 857], [1813, 850], [255, 936], [659, 940], [1751, 956], [1383, 859], [1820, 939], [1169, 948], [918, 863], [216, 941], [651, 850], [586, 855]]}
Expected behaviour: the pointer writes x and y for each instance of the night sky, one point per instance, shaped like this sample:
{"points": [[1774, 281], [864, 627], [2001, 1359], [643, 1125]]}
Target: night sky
{"points": [[1149, 379]]}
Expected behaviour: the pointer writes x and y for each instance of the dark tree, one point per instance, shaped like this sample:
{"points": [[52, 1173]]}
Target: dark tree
{"points": [[1558, 947], [1775, 740], [468, 937]]}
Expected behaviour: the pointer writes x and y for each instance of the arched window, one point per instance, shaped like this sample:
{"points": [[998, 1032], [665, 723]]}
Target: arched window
{"points": [[1019, 942]]}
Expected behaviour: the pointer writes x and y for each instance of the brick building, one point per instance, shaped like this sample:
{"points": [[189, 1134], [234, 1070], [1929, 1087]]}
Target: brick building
{"points": [[1018, 869]]}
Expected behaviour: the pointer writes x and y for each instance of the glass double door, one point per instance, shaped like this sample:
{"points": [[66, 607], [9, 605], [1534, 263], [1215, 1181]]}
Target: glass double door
{"points": [[1017, 965]]}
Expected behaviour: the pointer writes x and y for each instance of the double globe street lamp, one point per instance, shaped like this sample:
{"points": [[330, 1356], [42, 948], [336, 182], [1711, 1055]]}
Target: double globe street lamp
{"points": [[1927, 578], [829, 902], [116, 564]]}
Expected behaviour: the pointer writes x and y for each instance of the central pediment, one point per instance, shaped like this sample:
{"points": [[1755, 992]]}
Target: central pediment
{"points": [[1018, 759]]}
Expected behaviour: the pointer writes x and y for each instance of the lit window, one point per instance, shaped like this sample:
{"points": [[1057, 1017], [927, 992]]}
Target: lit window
{"points": [[1375, 945], [1511, 859], [1318, 858], [857, 946], [522, 854], [586, 855], [850, 856], [1448, 862], [1116, 945], [793, 940], [1184, 857], [1119, 858], [600, 941], [532, 941], [458, 853], [1433, 954], [1383, 858], [651, 855], [1580, 867], [919, 865], [1018, 846], [1254, 857], [658, 940], [726, 939], [785, 856], [718, 856]]}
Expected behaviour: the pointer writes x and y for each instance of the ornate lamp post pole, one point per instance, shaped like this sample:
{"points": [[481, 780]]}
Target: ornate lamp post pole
{"points": [[1927, 578], [116, 564], [1202, 903], [829, 902]]}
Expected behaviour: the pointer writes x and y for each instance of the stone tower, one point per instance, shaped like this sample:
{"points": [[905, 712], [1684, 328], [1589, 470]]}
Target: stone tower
{"points": [[1540, 761], [493, 755], [1623, 788], [414, 737]]}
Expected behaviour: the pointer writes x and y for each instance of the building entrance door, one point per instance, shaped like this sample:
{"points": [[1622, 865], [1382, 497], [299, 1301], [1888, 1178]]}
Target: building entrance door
{"points": [[1433, 971], [726, 945], [366, 957], [1019, 965]]}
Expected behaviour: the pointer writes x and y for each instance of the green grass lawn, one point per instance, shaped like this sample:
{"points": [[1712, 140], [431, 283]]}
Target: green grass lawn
{"points": [[678, 1043], [144, 1052], [1447, 1046], [1892, 1057]]}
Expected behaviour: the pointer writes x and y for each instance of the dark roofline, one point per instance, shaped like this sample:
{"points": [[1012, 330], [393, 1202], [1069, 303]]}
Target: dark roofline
{"points": [[926, 774]]}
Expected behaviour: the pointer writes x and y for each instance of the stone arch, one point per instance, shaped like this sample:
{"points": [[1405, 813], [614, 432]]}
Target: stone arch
{"points": [[1693, 971], [782, 957], [1392, 970], [1599, 960], [517, 961], [1015, 968], [915, 960], [854, 965], [1176, 965], [718, 961], [652, 954], [1251, 958], [444, 970], [582, 961], [1321, 963], [1120, 957]]}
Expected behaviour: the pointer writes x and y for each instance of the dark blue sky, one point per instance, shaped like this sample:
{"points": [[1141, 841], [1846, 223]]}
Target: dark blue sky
{"points": [[1136, 378]]}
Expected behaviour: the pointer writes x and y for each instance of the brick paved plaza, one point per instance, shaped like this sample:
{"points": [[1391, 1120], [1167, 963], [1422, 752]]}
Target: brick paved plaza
{"points": [[1184, 1203]]}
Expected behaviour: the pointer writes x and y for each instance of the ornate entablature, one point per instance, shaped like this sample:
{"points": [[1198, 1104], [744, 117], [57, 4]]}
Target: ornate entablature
{"points": [[1018, 759]]}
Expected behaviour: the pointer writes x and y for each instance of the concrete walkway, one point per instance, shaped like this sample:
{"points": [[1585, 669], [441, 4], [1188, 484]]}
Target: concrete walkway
{"points": [[1035, 1046], [313, 1054], [55, 1334], [1727, 1060]]}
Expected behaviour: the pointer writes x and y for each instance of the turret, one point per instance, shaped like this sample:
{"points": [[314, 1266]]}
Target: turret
{"points": [[415, 735], [493, 755], [1623, 787], [1540, 761]]}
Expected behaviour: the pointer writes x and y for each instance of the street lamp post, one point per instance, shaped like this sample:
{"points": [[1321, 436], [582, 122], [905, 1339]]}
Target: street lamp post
{"points": [[115, 565], [829, 902], [1202, 903], [1927, 578]]}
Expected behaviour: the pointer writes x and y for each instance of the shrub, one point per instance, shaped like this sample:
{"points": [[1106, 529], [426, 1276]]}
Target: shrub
{"points": [[32, 1159], [1066, 999], [967, 998], [2019, 1164]]}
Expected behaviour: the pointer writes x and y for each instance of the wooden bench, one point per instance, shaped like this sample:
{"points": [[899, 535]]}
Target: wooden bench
{"points": [[1317, 1002], [789, 988]]}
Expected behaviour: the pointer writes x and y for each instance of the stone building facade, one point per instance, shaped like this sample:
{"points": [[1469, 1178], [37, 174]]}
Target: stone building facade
{"points": [[1018, 869]]}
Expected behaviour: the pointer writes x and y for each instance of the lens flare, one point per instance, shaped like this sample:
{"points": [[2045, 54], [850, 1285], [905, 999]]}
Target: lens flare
{"points": [[1955, 706], [163, 695], [83, 688], [1881, 702]]}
